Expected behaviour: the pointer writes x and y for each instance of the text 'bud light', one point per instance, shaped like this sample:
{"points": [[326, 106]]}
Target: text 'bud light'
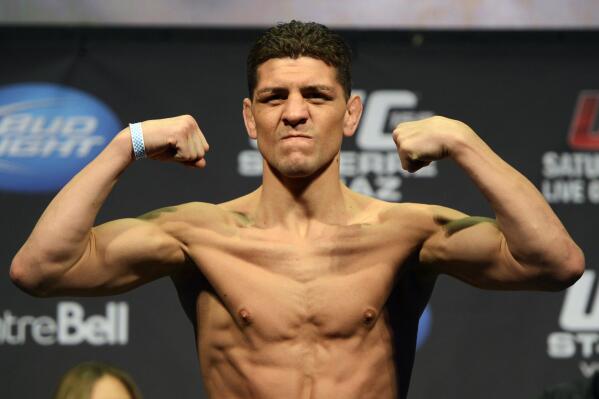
{"points": [[48, 132]]}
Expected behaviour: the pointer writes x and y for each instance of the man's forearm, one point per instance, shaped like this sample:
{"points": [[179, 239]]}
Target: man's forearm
{"points": [[534, 234], [62, 232]]}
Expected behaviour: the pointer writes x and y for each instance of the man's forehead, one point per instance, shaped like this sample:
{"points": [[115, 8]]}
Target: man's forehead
{"points": [[302, 72]]}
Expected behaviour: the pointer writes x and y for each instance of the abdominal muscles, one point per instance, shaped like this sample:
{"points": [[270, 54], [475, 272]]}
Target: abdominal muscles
{"points": [[244, 358]]}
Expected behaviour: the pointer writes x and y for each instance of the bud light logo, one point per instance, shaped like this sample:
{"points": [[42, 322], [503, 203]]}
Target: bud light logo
{"points": [[48, 132], [424, 327]]}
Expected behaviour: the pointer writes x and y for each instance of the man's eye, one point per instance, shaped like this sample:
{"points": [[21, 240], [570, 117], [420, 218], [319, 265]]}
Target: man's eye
{"points": [[271, 99], [318, 97]]}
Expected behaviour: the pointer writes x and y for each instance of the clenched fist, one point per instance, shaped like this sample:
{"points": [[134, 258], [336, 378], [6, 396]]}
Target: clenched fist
{"points": [[177, 139], [421, 142]]}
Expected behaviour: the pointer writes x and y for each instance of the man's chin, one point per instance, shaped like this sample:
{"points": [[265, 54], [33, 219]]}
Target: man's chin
{"points": [[298, 168], [295, 170]]}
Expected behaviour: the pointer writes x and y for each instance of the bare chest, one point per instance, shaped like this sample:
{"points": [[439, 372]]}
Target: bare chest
{"points": [[276, 288]]}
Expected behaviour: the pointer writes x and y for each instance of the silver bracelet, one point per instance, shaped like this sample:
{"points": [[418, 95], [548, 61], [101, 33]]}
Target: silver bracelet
{"points": [[137, 138]]}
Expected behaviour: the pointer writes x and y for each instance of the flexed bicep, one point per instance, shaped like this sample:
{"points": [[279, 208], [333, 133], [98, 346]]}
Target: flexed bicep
{"points": [[474, 250], [65, 254], [119, 255]]}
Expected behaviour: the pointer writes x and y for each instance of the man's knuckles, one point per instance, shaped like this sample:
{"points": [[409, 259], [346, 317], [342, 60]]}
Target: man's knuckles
{"points": [[177, 139], [187, 123], [412, 165]]}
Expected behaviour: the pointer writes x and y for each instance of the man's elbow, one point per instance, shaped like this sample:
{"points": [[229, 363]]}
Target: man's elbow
{"points": [[569, 270], [24, 277]]}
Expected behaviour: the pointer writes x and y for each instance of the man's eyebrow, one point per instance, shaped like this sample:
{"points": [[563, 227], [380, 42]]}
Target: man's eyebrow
{"points": [[271, 90], [318, 88], [276, 89]]}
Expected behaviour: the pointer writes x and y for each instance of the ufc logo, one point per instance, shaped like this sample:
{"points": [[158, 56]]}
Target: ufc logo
{"points": [[580, 311], [582, 136]]}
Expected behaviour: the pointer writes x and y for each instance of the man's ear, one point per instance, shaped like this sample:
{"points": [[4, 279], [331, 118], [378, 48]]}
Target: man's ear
{"points": [[353, 112], [248, 118]]}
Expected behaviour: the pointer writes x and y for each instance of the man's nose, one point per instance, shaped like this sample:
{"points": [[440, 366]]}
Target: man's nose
{"points": [[295, 111]]}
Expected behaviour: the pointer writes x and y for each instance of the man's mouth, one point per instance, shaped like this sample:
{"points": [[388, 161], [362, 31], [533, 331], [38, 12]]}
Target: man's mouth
{"points": [[296, 136]]}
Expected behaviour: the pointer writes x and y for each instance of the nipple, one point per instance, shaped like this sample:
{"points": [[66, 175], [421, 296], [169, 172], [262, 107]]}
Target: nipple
{"points": [[369, 317], [245, 316]]}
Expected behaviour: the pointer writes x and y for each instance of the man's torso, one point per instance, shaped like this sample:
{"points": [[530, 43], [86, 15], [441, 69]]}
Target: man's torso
{"points": [[330, 313]]}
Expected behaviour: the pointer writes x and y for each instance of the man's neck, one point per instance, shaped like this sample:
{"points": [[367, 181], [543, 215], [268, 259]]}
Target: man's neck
{"points": [[298, 204]]}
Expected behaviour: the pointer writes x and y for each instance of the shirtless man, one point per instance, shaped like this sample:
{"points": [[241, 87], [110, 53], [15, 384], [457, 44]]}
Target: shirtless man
{"points": [[302, 288]]}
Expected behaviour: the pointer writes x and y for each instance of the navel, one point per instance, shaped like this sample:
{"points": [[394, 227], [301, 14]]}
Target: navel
{"points": [[369, 317], [245, 316]]}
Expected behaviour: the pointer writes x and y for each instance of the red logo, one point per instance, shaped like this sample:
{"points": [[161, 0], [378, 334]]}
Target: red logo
{"points": [[582, 136]]}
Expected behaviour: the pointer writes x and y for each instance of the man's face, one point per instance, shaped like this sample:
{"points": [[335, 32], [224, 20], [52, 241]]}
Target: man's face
{"points": [[299, 115]]}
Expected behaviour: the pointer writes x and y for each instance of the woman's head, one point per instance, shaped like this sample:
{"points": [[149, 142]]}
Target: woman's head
{"points": [[93, 380]]}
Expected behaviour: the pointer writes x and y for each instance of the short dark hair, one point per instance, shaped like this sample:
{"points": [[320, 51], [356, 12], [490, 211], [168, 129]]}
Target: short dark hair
{"points": [[301, 39]]}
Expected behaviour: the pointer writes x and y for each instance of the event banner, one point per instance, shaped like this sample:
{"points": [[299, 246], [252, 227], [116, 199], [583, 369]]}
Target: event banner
{"points": [[532, 97], [352, 14]]}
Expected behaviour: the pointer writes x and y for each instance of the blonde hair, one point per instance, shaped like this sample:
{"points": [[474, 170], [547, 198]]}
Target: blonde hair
{"points": [[78, 382]]}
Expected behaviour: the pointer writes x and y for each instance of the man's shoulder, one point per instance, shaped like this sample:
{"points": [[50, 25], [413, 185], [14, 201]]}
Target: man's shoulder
{"points": [[243, 204], [379, 210], [391, 218], [422, 217], [422, 221], [419, 212], [191, 213], [402, 211], [406, 216]]}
